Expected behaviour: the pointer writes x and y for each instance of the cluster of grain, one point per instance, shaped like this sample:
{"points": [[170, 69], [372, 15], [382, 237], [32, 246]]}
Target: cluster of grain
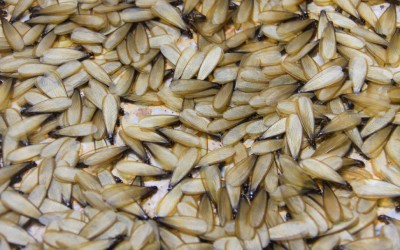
{"points": [[289, 93]]}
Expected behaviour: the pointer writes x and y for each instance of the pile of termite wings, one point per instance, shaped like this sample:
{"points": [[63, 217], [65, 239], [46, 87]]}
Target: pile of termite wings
{"points": [[199, 124]]}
